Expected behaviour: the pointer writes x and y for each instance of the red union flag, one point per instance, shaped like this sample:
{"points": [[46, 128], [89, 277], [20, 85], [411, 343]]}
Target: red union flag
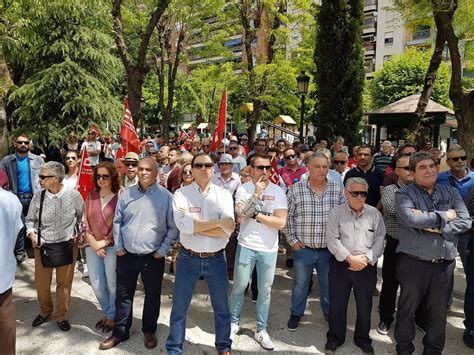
{"points": [[85, 183], [128, 134], [274, 177], [219, 131], [182, 135]]}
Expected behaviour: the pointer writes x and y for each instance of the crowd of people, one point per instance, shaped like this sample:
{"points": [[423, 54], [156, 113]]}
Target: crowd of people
{"points": [[224, 216]]}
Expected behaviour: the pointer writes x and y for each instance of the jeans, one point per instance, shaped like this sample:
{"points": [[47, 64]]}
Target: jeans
{"points": [[103, 277], [20, 239], [305, 260], [245, 260], [188, 270], [129, 266], [469, 295], [463, 247]]}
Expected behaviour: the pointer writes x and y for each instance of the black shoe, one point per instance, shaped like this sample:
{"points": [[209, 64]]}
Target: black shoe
{"points": [[40, 320], [289, 263], [254, 297], [330, 347], [64, 325], [468, 338], [383, 327], [366, 348], [21, 258], [293, 323]]}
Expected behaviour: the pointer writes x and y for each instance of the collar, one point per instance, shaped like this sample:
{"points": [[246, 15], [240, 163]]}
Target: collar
{"points": [[362, 171], [422, 189], [352, 212], [469, 175], [135, 179], [150, 189], [232, 177], [57, 195], [198, 189]]}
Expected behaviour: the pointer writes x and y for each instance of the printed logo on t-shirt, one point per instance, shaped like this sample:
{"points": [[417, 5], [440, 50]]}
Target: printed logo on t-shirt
{"points": [[268, 198], [195, 209]]}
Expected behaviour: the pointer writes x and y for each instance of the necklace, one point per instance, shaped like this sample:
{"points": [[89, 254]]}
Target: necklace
{"points": [[104, 196]]}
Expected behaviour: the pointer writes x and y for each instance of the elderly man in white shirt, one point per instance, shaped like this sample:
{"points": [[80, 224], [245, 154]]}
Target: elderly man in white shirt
{"points": [[10, 220], [226, 178], [204, 214]]}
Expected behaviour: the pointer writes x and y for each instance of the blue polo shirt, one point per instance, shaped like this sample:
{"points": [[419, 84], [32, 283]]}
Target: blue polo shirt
{"points": [[24, 178], [448, 179]]}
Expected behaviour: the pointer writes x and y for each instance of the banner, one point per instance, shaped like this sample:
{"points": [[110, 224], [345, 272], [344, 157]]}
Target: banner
{"points": [[275, 177], [128, 134], [85, 183], [221, 122]]}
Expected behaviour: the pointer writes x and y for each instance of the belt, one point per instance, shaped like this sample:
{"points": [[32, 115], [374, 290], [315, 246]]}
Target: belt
{"points": [[316, 248], [202, 255], [25, 196], [4, 296], [432, 261], [139, 255]]}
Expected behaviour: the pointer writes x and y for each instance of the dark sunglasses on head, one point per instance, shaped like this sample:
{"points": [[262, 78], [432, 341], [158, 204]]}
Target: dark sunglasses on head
{"points": [[362, 194], [342, 162], [44, 177], [70, 158], [262, 167], [289, 157], [103, 176], [128, 163], [205, 165], [463, 158], [23, 142]]}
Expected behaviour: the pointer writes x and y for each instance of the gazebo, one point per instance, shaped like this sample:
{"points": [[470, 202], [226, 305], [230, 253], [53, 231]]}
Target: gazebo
{"points": [[391, 122]]}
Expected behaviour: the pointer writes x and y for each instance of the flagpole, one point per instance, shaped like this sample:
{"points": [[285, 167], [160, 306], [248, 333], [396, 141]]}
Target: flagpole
{"points": [[225, 121]]}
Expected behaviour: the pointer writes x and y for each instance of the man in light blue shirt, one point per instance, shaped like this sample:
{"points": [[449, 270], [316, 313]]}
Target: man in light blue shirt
{"points": [[144, 231], [10, 220]]}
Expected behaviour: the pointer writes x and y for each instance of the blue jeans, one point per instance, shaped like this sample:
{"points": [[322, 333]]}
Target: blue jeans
{"points": [[103, 277], [245, 260], [188, 270], [305, 260], [469, 295]]}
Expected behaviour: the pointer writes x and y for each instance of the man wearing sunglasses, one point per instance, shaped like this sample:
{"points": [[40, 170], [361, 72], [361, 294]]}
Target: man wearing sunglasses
{"points": [[292, 171], [430, 217], [93, 147], [340, 163], [204, 215], [131, 164], [22, 169], [234, 151], [356, 241]]}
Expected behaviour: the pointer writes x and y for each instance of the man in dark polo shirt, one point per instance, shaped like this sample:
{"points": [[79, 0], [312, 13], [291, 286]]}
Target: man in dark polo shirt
{"points": [[430, 217], [365, 169]]}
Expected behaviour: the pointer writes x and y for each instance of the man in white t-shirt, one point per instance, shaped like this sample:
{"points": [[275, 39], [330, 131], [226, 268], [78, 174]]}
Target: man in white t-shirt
{"points": [[93, 147], [262, 208]]}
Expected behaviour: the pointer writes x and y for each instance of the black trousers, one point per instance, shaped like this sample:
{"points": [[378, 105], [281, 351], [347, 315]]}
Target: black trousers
{"points": [[388, 295], [129, 267], [341, 282], [424, 286]]}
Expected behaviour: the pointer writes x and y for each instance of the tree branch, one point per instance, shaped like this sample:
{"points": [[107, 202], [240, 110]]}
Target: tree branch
{"points": [[119, 40]]}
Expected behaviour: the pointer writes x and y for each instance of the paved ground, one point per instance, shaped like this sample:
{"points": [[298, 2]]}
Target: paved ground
{"points": [[309, 338]]}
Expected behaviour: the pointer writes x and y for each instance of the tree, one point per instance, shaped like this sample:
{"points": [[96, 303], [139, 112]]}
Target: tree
{"points": [[133, 45], [404, 75], [340, 69], [463, 100], [65, 77]]}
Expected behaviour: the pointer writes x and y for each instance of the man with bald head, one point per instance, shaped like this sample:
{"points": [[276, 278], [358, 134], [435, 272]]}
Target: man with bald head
{"points": [[144, 231]]}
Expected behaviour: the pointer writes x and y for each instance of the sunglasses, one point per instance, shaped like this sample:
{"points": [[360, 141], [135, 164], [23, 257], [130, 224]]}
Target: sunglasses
{"points": [[70, 158], [233, 148], [44, 177], [102, 177], [463, 158], [187, 172], [403, 167], [220, 153], [262, 167], [407, 154], [128, 164], [23, 142], [289, 157], [342, 162], [362, 194], [200, 166]]}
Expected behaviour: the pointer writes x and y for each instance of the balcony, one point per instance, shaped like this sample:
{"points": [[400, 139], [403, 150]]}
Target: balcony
{"points": [[370, 26], [370, 5], [369, 49]]}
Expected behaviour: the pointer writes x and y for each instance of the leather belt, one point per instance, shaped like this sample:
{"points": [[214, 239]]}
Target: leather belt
{"points": [[432, 261], [202, 255], [139, 255], [4, 296]]}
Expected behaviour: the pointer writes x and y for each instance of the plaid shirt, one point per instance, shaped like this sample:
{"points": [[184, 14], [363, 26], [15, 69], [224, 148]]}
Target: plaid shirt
{"points": [[307, 213], [388, 203]]}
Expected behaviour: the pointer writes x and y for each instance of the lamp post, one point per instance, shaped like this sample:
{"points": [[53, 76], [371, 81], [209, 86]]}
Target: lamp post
{"points": [[303, 82]]}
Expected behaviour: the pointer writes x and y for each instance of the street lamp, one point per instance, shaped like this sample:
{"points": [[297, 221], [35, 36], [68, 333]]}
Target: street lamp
{"points": [[303, 83]]}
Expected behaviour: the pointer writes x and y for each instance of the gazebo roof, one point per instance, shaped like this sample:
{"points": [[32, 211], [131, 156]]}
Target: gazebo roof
{"points": [[284, 119], [408, 105]]}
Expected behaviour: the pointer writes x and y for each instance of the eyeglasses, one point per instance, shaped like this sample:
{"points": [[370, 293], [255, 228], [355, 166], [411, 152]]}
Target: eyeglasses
{"points": [[92, 133], [44, 177], [289, 157], [220, 153], [103, 177], [23, 142], [342, 162], [233, 148], [362, 194], [463, 158], [403, 167], [128, 164], [187, 172], [262, 167], [205, 165], [407, 154], [70, 158]]}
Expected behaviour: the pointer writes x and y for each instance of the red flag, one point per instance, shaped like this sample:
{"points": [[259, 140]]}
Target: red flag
{"points": [[182, 135], [221, 121], [128, 134], [275, 177], [85, 183]]}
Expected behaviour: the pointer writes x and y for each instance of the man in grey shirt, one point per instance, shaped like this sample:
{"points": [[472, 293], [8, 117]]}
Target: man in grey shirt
{"points": [[430, 218], [355, 237], [144, 231]]}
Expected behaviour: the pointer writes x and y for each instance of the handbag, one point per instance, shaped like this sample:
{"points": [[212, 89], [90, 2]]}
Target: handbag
{"points": [[53, 254]]}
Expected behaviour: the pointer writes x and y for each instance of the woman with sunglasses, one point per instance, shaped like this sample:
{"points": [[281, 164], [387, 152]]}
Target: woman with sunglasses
{"points": [[72, 169], [99, 211]]}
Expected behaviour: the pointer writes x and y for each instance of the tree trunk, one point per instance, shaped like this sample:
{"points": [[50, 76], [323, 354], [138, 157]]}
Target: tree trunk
{"points": [[135, 83], [466, 125], [3, 128]]}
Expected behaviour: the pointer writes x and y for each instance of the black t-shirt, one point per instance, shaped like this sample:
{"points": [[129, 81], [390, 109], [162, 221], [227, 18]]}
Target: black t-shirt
{"points": [[374, 178]]}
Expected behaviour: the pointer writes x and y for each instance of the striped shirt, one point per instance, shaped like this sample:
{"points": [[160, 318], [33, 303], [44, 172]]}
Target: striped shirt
{"points": [[308, 212]]}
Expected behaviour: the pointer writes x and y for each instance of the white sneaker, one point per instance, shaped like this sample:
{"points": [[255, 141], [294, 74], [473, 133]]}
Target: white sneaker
{"points": [[264, 339], [234, 329]]}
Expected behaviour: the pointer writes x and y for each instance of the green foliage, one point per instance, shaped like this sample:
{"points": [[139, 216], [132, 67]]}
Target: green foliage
{"points": [[404, 75], [69, 69], [340, 69]]}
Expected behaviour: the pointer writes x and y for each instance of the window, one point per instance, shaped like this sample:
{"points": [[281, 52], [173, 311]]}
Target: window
{"points": [[388, 40], [421, 32], [386, 57]]}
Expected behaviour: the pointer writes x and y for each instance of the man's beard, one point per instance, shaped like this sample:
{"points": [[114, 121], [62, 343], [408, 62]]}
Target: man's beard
{"points": [[22, 149]]}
